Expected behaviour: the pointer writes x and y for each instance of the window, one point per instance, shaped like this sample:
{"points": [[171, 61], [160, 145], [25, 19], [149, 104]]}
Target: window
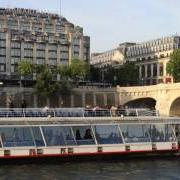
{"points": [[16, 136], [49, 27], [15, 45], [161, 133], [40, 61], [161, 69], [64, 48], [64, 55], [58, 136], [149, 70], [52, 47], [28, 45], [2, 68], [154, 69], [15, 60], [37, 136], [83, 135], [52, 54], [53, 62], [40, 54], [59, 27], [108, 134], [41, 46], [2, 60], [2, 43], [2, 51], [143, 71], [2, 35], [37, 26], [15, 52], [28, 53], [135, 133], [25, 25]]}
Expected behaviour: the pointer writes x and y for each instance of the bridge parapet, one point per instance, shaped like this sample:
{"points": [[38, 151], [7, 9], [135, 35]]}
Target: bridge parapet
{"points": [[163, 94]]}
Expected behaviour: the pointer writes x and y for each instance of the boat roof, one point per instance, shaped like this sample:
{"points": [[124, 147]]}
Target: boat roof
{"points": [[87, 120], [81, 116]]}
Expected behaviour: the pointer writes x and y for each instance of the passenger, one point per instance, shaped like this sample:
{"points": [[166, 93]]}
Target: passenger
{"points": [[113, 110], [10, 104], [46, 108], [113, 135], [78, 135], [47, 111], [23, 104], [88, 134]]}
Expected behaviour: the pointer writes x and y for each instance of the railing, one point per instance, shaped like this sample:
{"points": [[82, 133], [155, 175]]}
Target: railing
{"points": [[74, 112], [137, 112]]}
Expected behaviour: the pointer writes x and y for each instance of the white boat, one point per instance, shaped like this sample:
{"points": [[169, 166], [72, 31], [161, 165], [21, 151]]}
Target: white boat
{"points": [[67, 134]]}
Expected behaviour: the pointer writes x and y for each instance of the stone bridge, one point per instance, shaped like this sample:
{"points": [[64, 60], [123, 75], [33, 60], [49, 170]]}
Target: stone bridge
{"points": [[163, 97]]}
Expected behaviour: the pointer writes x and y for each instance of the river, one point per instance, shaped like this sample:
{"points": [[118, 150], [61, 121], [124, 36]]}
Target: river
{"points": [[160, 169]]}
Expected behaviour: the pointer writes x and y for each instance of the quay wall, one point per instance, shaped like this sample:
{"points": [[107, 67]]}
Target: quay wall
{"points": [[165, 97]]}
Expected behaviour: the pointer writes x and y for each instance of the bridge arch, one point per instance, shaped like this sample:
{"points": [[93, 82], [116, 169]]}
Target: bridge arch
{"points": [[175, 107], [146, 102]]}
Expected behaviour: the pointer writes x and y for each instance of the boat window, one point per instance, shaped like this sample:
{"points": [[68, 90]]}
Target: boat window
{"points": [[107, 134], [68, 135], [16, 136], [37, 136], [58, 136], [169, 133], [83, 135], [135, 133], [161, 133]]}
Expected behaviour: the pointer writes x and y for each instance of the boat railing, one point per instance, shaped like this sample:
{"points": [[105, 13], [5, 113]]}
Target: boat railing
{"points": [[74, 112], [137, 112]]}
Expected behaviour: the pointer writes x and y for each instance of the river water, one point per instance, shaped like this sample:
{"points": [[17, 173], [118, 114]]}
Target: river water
{"points": [[160, 169]]}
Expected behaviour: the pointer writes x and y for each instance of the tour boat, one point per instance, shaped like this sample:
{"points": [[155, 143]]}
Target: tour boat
{"points": [[75, 133]]}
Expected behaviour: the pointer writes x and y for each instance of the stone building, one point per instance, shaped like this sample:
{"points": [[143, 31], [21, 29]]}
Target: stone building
{"points": [[114, 57], [38, 37], [152, 58]]}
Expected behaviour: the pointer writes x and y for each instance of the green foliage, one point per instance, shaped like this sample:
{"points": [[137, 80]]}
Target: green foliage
{"points": [[64, 71], [173, 66], [109, 74], [45, 85], [79, 69], [65, 88], [25, 68], [127, 74], [124, 75], [94, 74], [46, 82]]}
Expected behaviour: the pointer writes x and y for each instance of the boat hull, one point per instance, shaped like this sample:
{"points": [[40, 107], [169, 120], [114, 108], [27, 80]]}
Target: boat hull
{"points": [[103, 156]]}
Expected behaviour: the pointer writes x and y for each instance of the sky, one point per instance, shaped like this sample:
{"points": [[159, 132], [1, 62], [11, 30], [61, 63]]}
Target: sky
{"points": [[111, 22]]}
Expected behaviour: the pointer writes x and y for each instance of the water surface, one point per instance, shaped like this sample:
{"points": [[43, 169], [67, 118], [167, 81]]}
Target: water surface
{"points": [[160, 169]]}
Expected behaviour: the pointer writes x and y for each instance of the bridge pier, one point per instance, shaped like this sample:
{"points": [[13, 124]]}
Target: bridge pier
{"points": [[163, 108]]}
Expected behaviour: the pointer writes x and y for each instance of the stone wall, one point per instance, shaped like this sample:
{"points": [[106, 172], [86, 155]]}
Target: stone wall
{"points": [[80, 97]]}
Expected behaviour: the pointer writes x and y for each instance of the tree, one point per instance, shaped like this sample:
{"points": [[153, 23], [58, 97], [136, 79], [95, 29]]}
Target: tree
{"points": [[127, 74], [46, 86], [24, 68], [173, 66], [64, 71], [94, 74], [79, 69], [109, 74]]}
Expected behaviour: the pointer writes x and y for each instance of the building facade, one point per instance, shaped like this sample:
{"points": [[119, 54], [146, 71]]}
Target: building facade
{"points": [[40, 38], [152, 58], [113, 58]]}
